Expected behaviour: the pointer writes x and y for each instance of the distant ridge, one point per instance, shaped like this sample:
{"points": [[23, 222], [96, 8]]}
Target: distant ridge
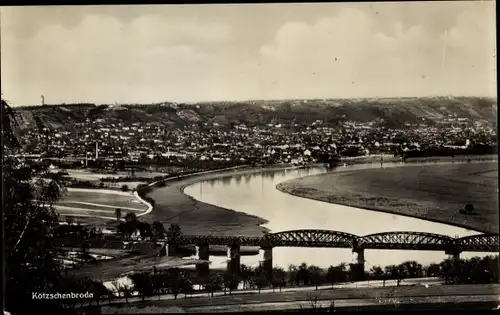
{"points": [[395, 110]]}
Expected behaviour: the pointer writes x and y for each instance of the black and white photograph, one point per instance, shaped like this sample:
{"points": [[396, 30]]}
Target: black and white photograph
{"points": [[258, 157]]}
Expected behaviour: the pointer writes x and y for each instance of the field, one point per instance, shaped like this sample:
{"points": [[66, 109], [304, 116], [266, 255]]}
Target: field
{"points": [[91, 204], [87, 175], [432, 192]]}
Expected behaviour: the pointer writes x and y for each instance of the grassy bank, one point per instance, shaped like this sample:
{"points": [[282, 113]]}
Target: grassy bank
{"points": [[434, 192]]}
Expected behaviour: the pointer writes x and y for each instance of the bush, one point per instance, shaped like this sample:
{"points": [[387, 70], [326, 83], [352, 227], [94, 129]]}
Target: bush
{"points": [[124, 188]]}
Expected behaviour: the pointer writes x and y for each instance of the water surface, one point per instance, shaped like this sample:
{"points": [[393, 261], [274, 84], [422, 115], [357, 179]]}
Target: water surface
{"points": [[256, 194]]}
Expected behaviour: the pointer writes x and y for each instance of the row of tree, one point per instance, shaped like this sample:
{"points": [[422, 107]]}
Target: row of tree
{"points": [[175, 282], [475, 149], [464, 271], [155, 231]]}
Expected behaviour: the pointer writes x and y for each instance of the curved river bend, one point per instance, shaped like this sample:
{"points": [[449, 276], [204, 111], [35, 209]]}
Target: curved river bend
{"points": [[256, 194]]}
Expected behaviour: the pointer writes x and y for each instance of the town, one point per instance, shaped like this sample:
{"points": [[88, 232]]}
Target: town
{"points": [[113, 141]]}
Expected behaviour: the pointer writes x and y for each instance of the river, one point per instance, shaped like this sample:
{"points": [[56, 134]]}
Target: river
{"points": [[256, 194]]}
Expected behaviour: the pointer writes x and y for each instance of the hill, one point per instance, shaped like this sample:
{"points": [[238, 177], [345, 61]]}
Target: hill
{"points": [[397, 111]]}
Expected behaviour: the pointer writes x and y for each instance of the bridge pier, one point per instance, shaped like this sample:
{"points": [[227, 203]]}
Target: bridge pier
{"points": [[266, 261], [202, 253], [454, 255], [168, 250], [358, 264], [234, 259]]}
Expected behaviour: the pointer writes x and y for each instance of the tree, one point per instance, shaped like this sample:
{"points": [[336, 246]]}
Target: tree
{"points": [[122, 230], [259, 278], [126, 291], [303, 273], [331, 275], [110, 295], [187, 287], [316, 275], [469, 207], [412, 269], [130, 217], [394, 272], [145, 230], [130, 226], [377, 272], [143, 284], [98, 290], [118, 214], [213, 284], [116, 286], [231, 281], [158, 283], [29, 221], [174, 231], [158, 230], [246, 275], [293, 275], [279, 277], [174, 281], [432, 270], [124, 188]]}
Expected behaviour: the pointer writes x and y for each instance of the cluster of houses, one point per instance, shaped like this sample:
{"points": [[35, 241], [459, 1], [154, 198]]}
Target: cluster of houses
{"points": [[272, 143]]}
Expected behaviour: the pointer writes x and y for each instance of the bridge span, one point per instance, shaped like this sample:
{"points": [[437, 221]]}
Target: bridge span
{"points": [[403, 240]]}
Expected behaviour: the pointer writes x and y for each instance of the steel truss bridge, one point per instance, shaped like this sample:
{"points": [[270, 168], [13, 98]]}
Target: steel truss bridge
{"points": [[335, 239]]}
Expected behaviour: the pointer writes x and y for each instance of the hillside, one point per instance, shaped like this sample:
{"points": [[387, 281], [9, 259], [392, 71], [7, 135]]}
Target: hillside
{"points": [[397, 111]]}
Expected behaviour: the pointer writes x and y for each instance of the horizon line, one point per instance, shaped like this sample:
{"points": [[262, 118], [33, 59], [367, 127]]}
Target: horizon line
{"points": [[251, 100]]}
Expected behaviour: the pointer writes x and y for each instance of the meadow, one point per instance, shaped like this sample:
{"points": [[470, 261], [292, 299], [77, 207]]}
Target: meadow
{"points": [[431, 192], [97, 204]]}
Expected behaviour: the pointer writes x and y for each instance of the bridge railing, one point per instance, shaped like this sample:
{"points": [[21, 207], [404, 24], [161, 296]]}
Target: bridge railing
{"points": [[322, 238]]}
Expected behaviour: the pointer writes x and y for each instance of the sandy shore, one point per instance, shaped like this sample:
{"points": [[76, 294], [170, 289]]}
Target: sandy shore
{"points": [[198, 218], [434, 192]]}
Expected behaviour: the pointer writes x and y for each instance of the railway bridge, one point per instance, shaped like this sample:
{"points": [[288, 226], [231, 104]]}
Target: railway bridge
{"points": [[403, 240]]}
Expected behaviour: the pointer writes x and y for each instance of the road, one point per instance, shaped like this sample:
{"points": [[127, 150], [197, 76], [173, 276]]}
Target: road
{"points": [[424, 282], [296, 298], [346, 303]]}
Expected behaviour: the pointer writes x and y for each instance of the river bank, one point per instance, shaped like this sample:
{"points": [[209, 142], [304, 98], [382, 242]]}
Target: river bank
{"points": [[433, 193], [172, 205]]}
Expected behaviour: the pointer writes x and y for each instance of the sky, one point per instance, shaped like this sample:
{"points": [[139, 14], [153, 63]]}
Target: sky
{"points": [[188, 53]]}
